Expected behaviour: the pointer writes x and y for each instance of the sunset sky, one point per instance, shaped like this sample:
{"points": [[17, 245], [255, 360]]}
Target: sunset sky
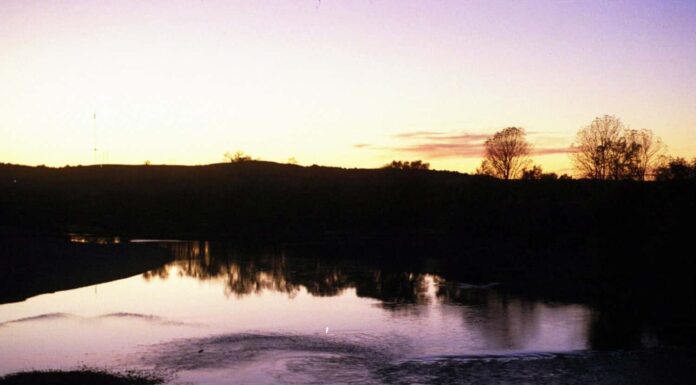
{"points": [[344, 83]]}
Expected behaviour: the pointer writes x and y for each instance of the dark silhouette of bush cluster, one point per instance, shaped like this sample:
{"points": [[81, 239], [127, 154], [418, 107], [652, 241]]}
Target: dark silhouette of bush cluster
{"points": [[537, 173], [238, 156], [676, 169], [406, 165]]}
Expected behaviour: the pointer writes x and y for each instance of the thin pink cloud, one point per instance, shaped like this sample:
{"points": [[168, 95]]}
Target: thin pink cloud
{"points": [[444, 150], [438, 144], [552, 150]]}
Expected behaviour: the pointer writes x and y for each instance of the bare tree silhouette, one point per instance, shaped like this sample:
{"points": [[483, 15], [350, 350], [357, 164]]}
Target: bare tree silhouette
{"points": [[596, 149], [606, 149], [507, 154], [650, 149]]}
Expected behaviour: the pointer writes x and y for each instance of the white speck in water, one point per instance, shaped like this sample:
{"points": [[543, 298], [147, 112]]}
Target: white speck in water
{"points": [[327, 330]]}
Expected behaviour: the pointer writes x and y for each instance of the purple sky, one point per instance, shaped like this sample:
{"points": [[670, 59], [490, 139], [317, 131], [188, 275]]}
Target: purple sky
{"points": [[336, 82]]}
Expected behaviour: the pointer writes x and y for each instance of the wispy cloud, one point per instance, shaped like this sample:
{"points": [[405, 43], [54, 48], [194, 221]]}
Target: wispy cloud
{"points": [[439, 144], [441, 136], [466, 149], [552, 150]]}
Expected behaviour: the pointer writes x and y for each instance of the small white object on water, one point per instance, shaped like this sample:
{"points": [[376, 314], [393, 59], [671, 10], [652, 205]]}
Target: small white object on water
{"points": [[327, 330]]}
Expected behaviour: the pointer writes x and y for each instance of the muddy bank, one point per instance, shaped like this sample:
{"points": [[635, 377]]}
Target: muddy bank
{"points": [[319, 359]]}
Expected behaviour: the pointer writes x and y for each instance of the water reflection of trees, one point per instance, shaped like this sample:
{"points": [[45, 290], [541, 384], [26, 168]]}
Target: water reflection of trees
{"points": [[503, 319], [245, 272], [395, 284], [508, 321]]}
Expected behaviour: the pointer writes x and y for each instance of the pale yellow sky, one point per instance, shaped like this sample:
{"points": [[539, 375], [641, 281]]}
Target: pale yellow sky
{"points": [[336, 83]]}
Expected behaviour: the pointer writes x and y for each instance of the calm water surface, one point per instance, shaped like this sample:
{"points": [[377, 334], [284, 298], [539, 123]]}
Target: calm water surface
{"points": [[269, 317]]}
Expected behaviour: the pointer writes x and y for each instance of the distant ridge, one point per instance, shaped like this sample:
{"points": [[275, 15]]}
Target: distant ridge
{"points": [[291, 202]]}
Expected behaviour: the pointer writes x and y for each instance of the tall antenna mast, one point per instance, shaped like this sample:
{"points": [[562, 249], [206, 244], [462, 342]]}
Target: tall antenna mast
{"points": [[94, 129]]}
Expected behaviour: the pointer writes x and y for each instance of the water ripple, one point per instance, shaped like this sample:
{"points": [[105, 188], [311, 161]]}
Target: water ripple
{"points": [[119, 315]]}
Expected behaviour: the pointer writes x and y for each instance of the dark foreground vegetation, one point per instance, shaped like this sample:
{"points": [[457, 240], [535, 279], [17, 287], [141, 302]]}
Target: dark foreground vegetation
{"points": [[79, 377], [622, 246]]}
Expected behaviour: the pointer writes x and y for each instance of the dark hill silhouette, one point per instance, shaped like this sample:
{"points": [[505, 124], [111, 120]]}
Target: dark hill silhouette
{"points": [[219, 199], [294, 202], [288, 202]]}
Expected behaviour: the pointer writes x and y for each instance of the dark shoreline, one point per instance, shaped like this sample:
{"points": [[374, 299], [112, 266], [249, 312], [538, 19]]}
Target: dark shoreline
{"points": [[86, 376]]}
